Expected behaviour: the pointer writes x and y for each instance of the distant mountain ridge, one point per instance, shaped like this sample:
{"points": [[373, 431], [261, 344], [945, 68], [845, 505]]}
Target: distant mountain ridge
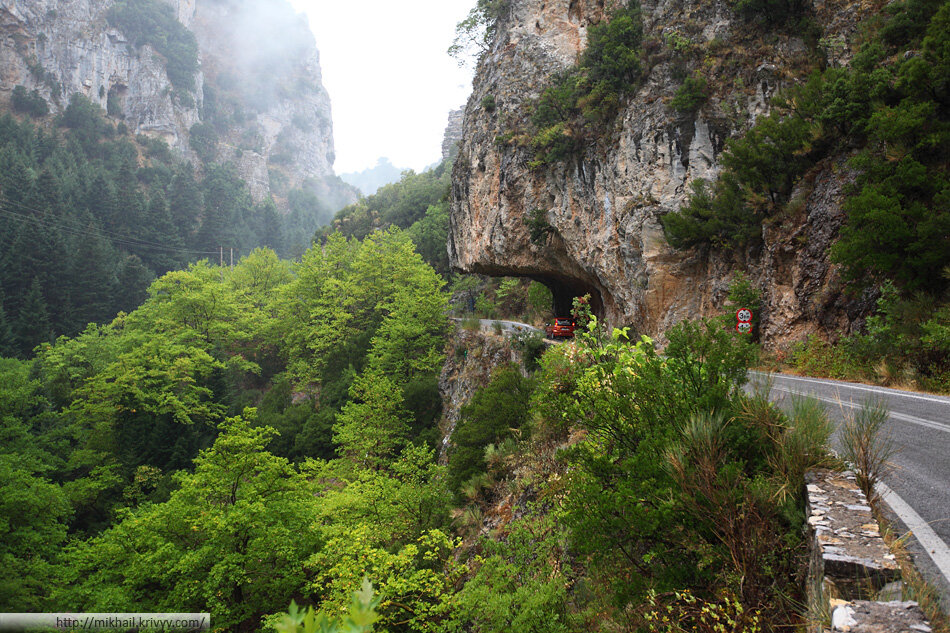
{"points": [[371, 179]]}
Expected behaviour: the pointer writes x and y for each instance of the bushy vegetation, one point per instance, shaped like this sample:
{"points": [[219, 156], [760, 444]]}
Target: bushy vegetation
{"points": [[493, 414], [31, 103], [691, 95], [772, 12], [154, 23], [890, 104], [253, 435], [907, 343], [582, 102], [90, 216], [418, 203], [677, 496], [150, 444]]}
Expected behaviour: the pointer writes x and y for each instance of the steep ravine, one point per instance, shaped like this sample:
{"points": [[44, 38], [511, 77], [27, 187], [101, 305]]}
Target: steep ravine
{"points": [[605, 206]]}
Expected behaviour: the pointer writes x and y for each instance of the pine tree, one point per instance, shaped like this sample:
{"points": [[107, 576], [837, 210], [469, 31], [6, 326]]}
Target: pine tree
{"points": [[32, 325], [159, 229], [92, 280], [130, 206], [16, 183], [7, 347], [101, 202], [53, 259], [185, 202]]}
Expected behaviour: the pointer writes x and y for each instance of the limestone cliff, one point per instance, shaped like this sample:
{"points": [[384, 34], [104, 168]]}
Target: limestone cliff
{"points": [[452, 134], [258, 88], [604, 206]]}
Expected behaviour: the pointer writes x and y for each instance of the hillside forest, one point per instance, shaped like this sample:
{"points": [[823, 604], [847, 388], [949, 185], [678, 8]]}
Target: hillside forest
{"points": [[265, 441]]}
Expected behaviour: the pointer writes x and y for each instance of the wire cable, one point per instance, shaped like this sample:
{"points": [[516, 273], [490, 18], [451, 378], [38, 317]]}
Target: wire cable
{"points": [[60, 224]]}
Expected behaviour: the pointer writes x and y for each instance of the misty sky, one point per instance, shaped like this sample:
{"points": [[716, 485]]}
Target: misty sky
{"points": [[390, 80]]}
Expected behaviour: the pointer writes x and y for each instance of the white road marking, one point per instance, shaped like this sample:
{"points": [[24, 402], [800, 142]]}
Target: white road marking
{"points": [[932, 544], [881, 390], [897, 416]]}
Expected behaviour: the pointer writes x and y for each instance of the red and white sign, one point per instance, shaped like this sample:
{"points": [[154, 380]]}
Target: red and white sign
{"points": [[744, 315], [743, 327]]}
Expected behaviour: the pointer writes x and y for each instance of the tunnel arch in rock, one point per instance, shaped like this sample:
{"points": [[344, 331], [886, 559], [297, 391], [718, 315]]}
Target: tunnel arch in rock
{"points": [[563, 291]]}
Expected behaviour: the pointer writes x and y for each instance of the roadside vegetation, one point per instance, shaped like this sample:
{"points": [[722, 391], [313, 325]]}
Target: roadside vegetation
{"points": [[639, 492], [888, 110]]}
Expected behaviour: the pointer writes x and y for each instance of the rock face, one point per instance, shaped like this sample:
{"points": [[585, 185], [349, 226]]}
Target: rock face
{"points": [[259, 83], [471, 356], [604, 207], [65, 47], [453, 134]]}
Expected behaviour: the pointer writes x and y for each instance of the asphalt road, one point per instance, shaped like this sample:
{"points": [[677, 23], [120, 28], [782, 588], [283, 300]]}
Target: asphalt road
{"points": [[917, 490]]}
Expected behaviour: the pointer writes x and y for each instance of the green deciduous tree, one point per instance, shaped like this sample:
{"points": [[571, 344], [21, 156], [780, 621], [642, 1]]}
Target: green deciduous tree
{"points": [[231, 539], [374, 424]]}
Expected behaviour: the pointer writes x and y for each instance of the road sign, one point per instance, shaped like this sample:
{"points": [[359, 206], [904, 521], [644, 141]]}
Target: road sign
{"points": [[743, 327], [744, 315]]}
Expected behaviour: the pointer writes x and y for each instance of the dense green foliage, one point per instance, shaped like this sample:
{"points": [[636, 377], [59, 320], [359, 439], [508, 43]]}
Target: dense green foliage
{"points": [[155, 487], [154, 23], [256, 435], [418, 203], [31, 103], [493, 414], [691, 95], [772, 12], [893, 105], [674, 442], [907, 343], [91, 216]]}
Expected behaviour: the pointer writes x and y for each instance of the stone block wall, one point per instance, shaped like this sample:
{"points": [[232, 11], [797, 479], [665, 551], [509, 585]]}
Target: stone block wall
{"points": [[854, 580]]}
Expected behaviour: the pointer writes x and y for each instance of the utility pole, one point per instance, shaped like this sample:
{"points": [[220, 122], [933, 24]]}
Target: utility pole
{"points": [[221, 256], [232, 258]]}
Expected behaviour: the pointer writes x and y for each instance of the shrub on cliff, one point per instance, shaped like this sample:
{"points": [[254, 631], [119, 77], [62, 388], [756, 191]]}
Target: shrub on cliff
{"points": [[491, 416], [153, 22], [770, 11], [28, 102], [582, 101]]}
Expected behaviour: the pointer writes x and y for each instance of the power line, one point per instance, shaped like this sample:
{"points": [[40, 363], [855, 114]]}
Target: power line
{"points": [[64, 223], [115, 238], [114, 241]]}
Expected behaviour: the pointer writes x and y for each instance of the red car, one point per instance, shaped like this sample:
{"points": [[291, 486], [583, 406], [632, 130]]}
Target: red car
{"points": [[563, 327]]}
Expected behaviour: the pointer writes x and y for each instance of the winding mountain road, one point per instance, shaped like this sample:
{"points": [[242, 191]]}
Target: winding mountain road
{"points": [[917, 491]]}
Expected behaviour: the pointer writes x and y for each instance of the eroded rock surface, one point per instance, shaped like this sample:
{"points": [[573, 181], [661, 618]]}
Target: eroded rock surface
{"points": [[604, 206]]}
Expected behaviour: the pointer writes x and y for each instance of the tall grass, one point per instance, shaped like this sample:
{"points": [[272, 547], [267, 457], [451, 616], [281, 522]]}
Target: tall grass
{"points": [[866, 445]]}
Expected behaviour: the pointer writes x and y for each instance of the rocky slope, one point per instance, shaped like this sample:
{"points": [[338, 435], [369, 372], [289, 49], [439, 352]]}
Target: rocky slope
{"points": [[258, 87], [604, 207], [471, 356]]}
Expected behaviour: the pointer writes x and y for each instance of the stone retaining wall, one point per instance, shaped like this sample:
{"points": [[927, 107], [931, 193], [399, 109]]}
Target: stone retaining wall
{"points": [[854, 580]]}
